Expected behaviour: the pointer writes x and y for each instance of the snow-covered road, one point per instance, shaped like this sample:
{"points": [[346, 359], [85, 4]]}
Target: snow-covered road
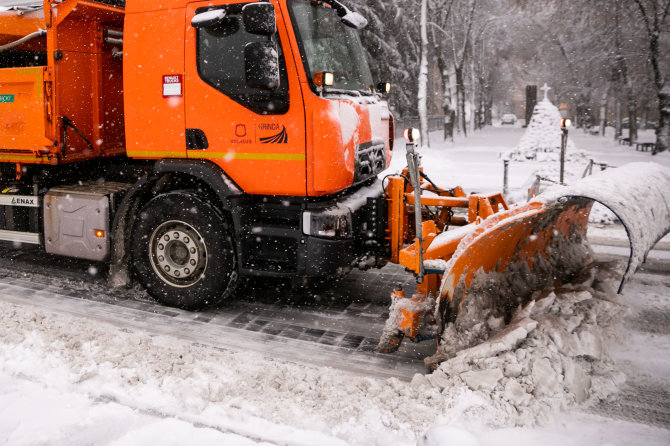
{"points": [[129, 372]]}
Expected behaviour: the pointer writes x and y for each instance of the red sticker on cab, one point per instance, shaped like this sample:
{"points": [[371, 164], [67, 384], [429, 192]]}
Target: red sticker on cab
{"points": [[172, 85]]}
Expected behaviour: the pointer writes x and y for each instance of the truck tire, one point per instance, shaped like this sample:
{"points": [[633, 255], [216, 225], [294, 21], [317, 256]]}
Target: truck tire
{"points": [[183, 252]]}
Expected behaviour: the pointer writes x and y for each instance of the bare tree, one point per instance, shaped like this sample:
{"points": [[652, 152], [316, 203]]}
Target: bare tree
{"points": [[440, 11], [624, 78], [461, 34], [423, 76], [390, 40], [654, 14]]}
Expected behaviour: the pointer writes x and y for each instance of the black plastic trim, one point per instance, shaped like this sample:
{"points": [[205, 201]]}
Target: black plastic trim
{"points": [[204, 170], [196, 140]]}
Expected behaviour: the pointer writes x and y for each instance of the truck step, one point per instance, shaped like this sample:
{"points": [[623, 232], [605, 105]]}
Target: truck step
{"points": [[32, 238]]}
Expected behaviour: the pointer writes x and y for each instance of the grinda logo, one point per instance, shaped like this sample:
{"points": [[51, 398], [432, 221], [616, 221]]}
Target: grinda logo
{"points": [[279, 138]]}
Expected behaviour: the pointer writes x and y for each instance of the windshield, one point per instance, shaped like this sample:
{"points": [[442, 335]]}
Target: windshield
{"points": [[329, 45]]}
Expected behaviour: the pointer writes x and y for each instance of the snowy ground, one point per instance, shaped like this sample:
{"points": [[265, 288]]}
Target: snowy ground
{"points": [[70, 379]]}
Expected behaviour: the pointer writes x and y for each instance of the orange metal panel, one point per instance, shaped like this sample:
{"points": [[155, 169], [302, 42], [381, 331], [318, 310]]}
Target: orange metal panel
{"points": [[454, 202], [338, 127], [72, 86], [137, 6], [22, 120], [396, 216], [88, 80], [154, 46]]}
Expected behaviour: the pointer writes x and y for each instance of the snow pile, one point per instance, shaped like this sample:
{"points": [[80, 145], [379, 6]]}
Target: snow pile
{"points": [[549, 356], [542, 139], [638, 194], [240, 393]]}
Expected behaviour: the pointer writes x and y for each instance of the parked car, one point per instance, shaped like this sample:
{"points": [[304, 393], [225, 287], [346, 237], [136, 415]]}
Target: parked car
{"points": [[508, 118]]}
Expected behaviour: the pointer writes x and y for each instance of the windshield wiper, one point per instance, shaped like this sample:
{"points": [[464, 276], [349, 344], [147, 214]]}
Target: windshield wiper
{"points": [[339, 91]]}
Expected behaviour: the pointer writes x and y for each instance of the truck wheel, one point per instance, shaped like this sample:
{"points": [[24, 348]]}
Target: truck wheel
{"points": [[183, 252]]}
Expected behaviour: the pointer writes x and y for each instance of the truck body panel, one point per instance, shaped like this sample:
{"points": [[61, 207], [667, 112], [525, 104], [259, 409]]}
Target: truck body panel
{"points": [[22, 114], [268, 141], [81, 81], [155, 124]]}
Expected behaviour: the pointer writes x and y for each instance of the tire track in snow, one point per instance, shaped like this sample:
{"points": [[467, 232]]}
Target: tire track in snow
{"points": [[641, 403], [645, 398], [341, 338]]}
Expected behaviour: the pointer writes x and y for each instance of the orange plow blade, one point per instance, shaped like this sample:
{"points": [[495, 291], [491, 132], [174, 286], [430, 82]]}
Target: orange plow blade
{"points": [[542, 244]]}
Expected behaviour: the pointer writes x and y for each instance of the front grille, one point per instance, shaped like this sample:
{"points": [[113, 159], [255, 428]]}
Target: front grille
{"points": [[370, 160]]}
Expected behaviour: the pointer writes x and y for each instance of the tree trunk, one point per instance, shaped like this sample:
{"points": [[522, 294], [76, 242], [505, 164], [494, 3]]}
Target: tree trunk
{"points": [[632, 117], [654, 20], [423, 76], [474, 111], [488, 112], [460, 100], [617, 118], [663, 129], [446, 98], [603, 111]]}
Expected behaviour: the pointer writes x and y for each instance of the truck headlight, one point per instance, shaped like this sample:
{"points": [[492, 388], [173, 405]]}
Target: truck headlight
{"points": [[332, 223]]}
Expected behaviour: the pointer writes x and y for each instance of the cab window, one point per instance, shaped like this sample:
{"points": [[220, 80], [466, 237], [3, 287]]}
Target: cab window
{"points": [[220, 61]]}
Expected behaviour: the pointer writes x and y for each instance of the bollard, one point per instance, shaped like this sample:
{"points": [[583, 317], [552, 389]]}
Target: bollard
{"points": [[505, 177]]}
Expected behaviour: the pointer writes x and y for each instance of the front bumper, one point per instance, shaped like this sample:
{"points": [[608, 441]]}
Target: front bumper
{"points": [[275, 238]]}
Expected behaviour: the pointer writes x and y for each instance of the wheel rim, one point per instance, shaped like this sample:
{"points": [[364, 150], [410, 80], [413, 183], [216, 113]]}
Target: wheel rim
{"points": [[178, 253]]}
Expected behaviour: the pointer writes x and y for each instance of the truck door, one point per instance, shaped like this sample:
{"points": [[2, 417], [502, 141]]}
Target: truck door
{"points": [[256, 137]]}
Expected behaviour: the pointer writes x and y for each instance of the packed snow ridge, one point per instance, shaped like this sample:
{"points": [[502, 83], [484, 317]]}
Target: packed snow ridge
{"points": [[549, 356], [636, 194]]}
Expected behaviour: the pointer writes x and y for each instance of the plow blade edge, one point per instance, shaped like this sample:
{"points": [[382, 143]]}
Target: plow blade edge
{"points": [[512, 254]]}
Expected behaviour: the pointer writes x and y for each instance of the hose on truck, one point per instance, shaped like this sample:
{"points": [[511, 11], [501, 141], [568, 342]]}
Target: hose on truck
{"points": [[22, 40]]}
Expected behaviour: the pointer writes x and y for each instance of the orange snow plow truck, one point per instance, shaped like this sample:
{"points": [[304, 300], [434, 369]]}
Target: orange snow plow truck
{"points": [[192, 143]]}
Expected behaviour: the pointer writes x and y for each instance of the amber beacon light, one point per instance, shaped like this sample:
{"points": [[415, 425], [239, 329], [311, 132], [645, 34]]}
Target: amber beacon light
{"points": [[411, 135], [324, 79]]}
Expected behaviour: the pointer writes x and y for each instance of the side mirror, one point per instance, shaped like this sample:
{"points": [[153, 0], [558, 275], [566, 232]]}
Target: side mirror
{"points": [[354, 20], [261, 65], [208, 19], [259, 18]]}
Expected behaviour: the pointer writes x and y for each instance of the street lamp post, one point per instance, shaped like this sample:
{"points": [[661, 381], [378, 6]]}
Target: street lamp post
{"points": [[565, 123]]}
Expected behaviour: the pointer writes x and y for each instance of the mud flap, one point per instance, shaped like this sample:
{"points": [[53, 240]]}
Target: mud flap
{"points": [[543, 243]]}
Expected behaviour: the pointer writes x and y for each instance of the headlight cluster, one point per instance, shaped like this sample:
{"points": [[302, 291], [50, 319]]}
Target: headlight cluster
{"points": [[332, 223]]}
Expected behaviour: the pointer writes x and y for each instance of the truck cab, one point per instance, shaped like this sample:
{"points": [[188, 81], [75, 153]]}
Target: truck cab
{"points": [[305, 139], [252, 130]]}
